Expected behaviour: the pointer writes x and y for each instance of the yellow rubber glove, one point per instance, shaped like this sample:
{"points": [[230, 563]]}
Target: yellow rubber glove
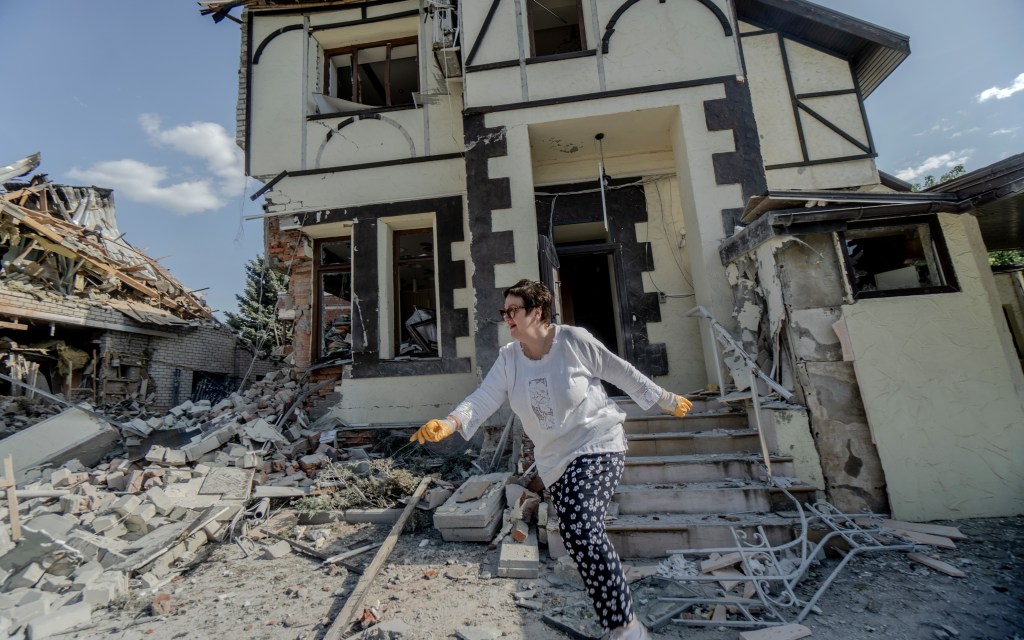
{"points": [[674, 405], [433, 431]]}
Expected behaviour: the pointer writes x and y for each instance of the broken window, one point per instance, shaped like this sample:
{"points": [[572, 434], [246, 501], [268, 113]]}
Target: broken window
{"points": [[334, 297], [383, 74], [902, 258], [556, 26], [415, 293]]}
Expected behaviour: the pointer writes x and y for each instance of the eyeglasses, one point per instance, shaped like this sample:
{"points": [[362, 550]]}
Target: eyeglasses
{"points": [[510, 312]]}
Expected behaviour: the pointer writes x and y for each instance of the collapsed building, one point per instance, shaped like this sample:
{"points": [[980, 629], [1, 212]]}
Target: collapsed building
{"points": [[88, 316], [695, 179]]}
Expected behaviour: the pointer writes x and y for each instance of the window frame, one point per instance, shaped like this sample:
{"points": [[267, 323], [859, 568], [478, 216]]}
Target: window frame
{"points": [[942, 256], [398, 322], [580, 25], [318, 271], [353, 50]]}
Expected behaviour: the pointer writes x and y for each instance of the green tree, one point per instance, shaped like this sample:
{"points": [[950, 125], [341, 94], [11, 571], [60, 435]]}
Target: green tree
{"points": [[256, 322], [1009, 257], [995, 258], [930, 181]]}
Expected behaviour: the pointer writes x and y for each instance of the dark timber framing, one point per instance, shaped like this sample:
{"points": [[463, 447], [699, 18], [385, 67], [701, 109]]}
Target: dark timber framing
{"points": [[627, 206], [596, 95], [628, 4], [451, 275]]}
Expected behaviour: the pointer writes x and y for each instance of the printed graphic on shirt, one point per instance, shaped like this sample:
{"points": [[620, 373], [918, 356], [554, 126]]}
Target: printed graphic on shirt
{"points": [[540, 402]]}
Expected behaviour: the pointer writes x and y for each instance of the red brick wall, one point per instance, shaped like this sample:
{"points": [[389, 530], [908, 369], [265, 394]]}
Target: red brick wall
{"points": [[287, 252]]}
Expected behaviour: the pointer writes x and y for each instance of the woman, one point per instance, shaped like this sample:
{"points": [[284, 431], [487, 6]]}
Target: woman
{"points": [[551, 376]]}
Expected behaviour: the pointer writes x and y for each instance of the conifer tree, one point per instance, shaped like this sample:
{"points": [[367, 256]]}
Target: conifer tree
{"points": [[256, 322]]}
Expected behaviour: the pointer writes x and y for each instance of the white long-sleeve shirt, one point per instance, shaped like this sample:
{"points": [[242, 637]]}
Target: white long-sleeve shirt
{"points": [[559, 398]]}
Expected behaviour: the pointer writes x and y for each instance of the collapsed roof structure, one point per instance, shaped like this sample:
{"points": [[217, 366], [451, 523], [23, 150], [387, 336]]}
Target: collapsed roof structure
{"points": [[86, 314]]}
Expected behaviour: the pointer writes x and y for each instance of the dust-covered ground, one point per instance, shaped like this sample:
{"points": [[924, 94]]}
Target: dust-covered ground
{"points": [[433, 589]]}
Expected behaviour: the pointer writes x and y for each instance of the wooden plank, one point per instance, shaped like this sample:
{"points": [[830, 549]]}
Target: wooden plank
{"points": [[9, 483], [727, 560], [938, 565], [919, 527], [926, 538], [344, 619], [13, 325], [352, 553], [729, 573], [783, 632], [718, 615]]}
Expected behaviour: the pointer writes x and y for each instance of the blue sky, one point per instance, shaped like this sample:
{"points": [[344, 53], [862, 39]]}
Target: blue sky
{"points": [[140, 97]]}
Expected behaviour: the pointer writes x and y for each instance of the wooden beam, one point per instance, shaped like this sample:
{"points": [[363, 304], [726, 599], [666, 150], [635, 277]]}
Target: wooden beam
{"points": [[13, 325], [9, 483], [938, 565], [341, 623]]}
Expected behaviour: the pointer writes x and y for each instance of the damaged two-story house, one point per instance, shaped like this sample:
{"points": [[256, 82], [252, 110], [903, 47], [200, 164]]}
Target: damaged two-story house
{"points": [[684, 174]]}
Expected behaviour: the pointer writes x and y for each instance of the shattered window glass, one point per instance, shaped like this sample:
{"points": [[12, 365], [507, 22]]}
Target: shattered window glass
{"points": [[415, 293], [334, 298], [897, 259]]}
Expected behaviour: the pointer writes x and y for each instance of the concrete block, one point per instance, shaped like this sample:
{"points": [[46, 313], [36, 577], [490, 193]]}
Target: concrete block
{"points": [[116, 531], [61, 620], [520, 558], [115, 481], [33, 605], [133, 482], [175, 457], [104, 589], [51, 525], [86, 574], [277, 550], [156, 453], [160, 501], [54, 584], [200, 470], [70, 434], [126, 505], [27, 577], [479, 512]]}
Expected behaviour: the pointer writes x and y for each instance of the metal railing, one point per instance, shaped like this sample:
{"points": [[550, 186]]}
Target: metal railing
{"points": [[720, 338]]}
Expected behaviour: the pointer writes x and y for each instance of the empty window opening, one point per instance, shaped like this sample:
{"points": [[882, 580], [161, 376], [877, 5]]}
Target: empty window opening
{"points": [[415, 293], [556, 26], [899, 259], [334, 298], [380, 75]]}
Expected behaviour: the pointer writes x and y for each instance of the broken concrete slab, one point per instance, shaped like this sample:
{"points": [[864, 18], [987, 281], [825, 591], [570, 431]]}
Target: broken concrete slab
{"points": [[61, 620], [481, 512], [70, 434]]}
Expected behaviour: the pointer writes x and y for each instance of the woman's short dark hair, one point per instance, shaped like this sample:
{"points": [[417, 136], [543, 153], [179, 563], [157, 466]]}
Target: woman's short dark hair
{"points": [[535, 295]]}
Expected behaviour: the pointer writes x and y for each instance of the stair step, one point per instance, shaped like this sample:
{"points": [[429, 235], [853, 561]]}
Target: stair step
{"points": [[701, 468], [749, 496], [688, 423], [652, 536], [693, 442]]}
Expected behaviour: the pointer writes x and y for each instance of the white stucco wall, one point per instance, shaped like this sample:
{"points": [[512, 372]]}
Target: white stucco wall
{"points": [[403, 399], [281, 136], [942, 393], [777, 118], [653, 43]]}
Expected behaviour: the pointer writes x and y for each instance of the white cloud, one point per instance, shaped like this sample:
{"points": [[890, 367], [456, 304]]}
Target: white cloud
{"points": [[143, 182], [222, 175], [1005, 132], [939, 127], [946, 160], [206, 141], [965, 132], [1000, 94]]}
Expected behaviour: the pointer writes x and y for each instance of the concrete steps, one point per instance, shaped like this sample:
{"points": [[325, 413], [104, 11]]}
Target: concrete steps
{"points": [[688, 481], [651, 536], [700, 468]]}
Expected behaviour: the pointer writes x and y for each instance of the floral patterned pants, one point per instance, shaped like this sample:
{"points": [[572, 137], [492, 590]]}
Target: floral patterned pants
{"points": [[581, 499]]}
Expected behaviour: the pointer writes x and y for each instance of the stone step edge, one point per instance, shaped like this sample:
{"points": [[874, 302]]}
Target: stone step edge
{"points": [[756, 486], [701, 458], [689, 435]]}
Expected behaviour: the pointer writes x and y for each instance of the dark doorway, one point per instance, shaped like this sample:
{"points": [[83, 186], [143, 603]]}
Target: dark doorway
{"points": [[587, 301]]}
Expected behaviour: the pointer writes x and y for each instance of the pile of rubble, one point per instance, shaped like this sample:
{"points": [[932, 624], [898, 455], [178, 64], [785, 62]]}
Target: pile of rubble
{"points": [[17, 413], [84, 537]]}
